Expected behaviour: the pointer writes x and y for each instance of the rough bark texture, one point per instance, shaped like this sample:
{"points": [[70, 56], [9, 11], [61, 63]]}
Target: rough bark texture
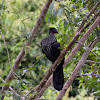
{"points": [[13, 69], [82, 40], [22, 52], [76, 70], [80, 29], [85, 19], [32, 35]]}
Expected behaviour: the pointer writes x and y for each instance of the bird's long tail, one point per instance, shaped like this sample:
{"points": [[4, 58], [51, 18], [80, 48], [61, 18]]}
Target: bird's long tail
{"points": [[58, 77]]}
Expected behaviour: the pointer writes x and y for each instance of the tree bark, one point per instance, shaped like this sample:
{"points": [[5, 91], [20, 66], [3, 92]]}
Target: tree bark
{"points": [[85, 19], [22, 52], [70, 56], [76, 70], [85, 36]]}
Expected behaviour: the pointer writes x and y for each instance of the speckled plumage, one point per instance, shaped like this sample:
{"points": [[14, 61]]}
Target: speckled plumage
{"points": [[50, 49]]}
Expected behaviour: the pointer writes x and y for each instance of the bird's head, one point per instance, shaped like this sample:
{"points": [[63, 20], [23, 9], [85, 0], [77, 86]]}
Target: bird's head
{"points": [[53, 30]]}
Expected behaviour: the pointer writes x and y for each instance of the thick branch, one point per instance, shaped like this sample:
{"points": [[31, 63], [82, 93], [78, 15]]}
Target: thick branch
{"points": [[80, 29], [47, 84], [66, 49], [85, 19], [22, 52], [10, 87], [82, 40], [53, 67], [98, 13], [76, 70]]}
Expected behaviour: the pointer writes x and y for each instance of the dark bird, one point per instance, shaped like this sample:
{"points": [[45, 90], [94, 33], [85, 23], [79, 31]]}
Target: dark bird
{"points": [[50, 49]]}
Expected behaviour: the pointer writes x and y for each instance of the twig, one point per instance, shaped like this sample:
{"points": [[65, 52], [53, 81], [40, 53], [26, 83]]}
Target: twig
{"points": [[3, 38], [82, 40], [22, 52], [29, 93], [80, 29], [92, 51], [84, 75], [85, 19], [88, 75], [81, 43], [93, 26], [76, 70], [98, 13], [92, 61], [10, 88], [95, 54], [85, 36]]}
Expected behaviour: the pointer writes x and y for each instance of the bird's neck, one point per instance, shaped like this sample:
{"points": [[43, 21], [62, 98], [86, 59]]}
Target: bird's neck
{"points": [[51, 33]]}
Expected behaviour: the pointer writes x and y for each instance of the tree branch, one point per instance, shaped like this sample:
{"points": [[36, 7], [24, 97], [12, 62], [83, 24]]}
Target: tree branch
{"points": [[98, 13], [95, 54], [66, 49], [76, 70], [22, 52], [10, 88], [82, 40], [3, 38], [85, 19], [88, 75], [92, 61]]}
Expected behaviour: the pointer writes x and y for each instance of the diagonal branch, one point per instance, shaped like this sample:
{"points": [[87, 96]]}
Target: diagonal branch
{"points": [[82, 40], [95, 54], [88, 75], [63, 53], [98, 13], [90, 61], [3, 38], [76, 70], [85, 19], [10, 88], [80, 29], [22, 52]]}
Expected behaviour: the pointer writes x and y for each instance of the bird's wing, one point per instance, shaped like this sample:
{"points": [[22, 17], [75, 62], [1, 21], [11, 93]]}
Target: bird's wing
{"points": [[55, 45]]}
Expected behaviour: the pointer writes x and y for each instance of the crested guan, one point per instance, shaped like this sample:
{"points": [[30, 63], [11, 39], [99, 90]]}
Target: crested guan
{"points": [[50, 49]]}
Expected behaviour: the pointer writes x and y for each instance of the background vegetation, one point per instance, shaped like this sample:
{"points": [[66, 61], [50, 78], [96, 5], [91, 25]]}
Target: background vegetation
{"points": [[17, 18]]}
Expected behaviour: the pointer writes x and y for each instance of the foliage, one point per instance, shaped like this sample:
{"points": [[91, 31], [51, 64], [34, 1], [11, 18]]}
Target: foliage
{"points": [[16, 23]]}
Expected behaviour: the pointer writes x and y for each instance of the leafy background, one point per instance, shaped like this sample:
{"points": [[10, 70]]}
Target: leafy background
{"points": [[17, 18]]}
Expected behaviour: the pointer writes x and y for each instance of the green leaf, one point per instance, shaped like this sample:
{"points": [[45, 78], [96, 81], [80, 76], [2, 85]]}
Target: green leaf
{"points": [[51, 7], [68, 13], [60, 10], [65, 6]]}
